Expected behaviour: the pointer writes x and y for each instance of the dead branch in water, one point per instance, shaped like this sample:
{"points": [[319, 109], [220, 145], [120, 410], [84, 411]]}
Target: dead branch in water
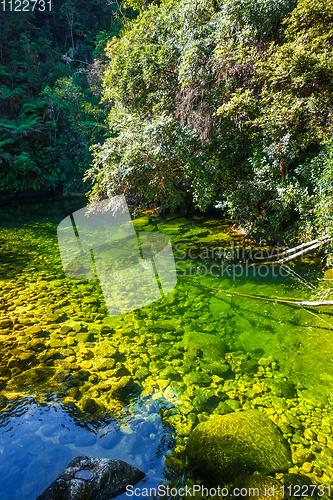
{"points": [[305, 250]]}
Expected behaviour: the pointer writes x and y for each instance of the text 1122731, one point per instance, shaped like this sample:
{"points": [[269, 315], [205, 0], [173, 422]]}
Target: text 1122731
{"points": [[26, 5]]}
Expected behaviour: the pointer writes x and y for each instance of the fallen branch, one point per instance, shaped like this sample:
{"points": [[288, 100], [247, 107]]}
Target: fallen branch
{"points": [[302, 252], [284, 301], [315, 303], [299, 247]]}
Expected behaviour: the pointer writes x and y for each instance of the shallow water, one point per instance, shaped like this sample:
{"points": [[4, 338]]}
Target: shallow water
{"points": [[59, 389]]}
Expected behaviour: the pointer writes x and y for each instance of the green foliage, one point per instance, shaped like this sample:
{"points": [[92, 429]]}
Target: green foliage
{"points": [[23, 174], [166, 68], [316, 211], [50, 91], [213, 102], [224, 103]]}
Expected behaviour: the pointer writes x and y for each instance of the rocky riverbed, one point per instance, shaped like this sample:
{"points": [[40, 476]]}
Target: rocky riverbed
{"points": [[202, 351]]}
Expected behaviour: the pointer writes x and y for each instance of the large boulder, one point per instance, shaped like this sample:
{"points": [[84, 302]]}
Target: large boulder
{"points": [[225, 446], [92, 479]]}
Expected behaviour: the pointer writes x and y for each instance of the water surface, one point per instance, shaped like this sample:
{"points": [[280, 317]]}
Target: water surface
{"points": [[75, 381]]}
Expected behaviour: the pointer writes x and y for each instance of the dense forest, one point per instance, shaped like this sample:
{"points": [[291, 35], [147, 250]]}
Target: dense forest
{"points": [[51, 69], [181, 104]]}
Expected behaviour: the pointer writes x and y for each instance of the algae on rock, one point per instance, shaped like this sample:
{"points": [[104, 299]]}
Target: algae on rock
{"points": [[243, 442]]}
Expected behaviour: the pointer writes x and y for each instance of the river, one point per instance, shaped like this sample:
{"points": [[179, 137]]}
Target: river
{"points": [[76, 381]]}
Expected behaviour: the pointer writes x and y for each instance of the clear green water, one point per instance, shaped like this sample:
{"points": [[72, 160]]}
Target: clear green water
{"points": [[132, 387]]}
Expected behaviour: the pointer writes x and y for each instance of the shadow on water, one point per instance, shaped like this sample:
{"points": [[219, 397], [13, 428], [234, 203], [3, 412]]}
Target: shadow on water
{"points": [[27, 232]]}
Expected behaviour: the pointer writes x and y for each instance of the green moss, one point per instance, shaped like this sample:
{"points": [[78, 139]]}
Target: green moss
{"points": [[225, 446]]}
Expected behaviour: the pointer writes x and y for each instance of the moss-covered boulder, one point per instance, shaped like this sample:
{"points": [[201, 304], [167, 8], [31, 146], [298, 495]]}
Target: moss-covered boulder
{"points": [[197, 378], [36, 331], [105, 350], [225, 446], [91, 406], [259, 487]]}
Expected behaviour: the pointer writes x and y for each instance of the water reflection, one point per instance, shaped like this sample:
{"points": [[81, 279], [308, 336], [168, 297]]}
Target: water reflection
{"points": [[38, 440]]}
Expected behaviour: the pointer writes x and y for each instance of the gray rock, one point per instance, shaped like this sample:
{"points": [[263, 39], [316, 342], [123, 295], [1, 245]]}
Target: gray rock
{"points": [[238, 443], [92, 479]]}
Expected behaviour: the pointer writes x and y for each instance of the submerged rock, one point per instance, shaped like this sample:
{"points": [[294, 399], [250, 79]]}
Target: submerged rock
{"points": [[259, 487], [243, 442], [36, 331], [32, 377], [6, 323], [92, 479], [124, 388]]}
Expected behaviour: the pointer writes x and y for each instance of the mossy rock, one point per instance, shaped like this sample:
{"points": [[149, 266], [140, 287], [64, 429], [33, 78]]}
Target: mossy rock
{"points": [[27, 357], [48, 354], [54, 318], [234, 404], [142, 223], [160, 351], [204, 402], [174, 353], [124, 388], [212, 348], [55, 344], [105, 364], [169, 373], [74, 392], [329, 274], [65, 329], [223, 409], [156, 366], [282, 388], [219, 304], [295, 480], [35, 345], [142, 373], [36, 331], [259, 487], [91, 406], [26, 321], [250, 367], [85, 337], [243, 442], [32, 377], [198, 378], [105, 350], [220, 369], [83, 375], [6, 323]]}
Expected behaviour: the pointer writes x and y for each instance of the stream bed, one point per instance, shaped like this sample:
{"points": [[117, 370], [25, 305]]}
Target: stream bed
{"points": [[75, 381]]}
